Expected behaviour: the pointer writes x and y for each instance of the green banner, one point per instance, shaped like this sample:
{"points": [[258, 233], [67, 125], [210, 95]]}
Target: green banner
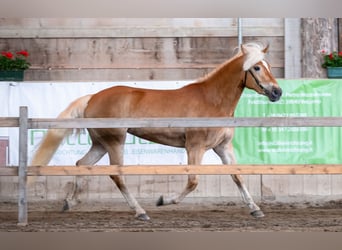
{"points": [[291, 145]]}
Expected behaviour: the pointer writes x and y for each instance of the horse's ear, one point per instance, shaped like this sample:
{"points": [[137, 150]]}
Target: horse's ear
{"points": [[266, 48], [242, 49]]}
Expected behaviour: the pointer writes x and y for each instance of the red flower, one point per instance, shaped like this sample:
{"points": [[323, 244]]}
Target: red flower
{"points": [[23, 53], [333, 59], [9, 55], [17, 61]]}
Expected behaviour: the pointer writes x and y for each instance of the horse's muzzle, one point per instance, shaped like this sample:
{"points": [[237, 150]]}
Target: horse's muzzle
{"points": [[275, 94]]}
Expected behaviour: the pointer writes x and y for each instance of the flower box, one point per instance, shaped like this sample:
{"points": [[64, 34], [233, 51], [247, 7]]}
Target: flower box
{"points": [[333, 63], [12, 75], [12, 66], [334, 72]]}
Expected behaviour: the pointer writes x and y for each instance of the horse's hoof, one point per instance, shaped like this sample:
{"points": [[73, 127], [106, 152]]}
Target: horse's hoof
{"points": [[66, 206], [160, 201], [142, 217], [257, 214]]}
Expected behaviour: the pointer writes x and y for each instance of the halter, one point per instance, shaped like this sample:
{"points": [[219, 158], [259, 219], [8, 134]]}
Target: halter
{"points": [[255, 79]]}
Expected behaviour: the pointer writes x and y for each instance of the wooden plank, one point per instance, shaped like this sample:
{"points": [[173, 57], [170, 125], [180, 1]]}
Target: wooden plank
{"points": [[136, 27], [58, 188], [253, 183], [229, 31], [336, 185], [9, 122], [8, 171], [340, 34], [292, 48], [227, 187], [116, 75], [39, 187], [156, 52], [250, 169], [310, 184], [295, 185], [22, 177], [178, 122], [324, 185]]}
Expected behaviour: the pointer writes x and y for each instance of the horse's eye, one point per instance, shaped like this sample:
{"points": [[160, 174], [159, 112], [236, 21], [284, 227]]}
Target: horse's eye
{"points": [[256, 68]]}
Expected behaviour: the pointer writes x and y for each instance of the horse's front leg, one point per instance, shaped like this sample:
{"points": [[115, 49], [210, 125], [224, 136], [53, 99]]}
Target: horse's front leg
{"points": [[226, 153], [254, 209], [140, 213], [194, 158]]}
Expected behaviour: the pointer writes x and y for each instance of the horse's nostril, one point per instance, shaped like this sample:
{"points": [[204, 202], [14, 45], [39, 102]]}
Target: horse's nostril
{"points": [[276, 92]]}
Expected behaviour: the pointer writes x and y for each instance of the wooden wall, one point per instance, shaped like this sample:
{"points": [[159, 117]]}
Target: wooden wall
{"points": [[106, 49]]}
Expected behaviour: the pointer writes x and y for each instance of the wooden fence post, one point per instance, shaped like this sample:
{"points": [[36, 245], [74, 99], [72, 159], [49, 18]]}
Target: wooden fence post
{"points": [[293, 48], [339, 23], [22, 171]]}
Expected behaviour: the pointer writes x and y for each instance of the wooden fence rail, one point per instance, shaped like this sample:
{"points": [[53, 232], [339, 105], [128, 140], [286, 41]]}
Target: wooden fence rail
{"points": [[24, 123], [208, 169], [175, 122], [241, 169]]}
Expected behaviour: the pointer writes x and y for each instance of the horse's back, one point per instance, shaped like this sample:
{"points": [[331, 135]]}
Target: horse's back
{"points": [[113, 102], [122, 101]]}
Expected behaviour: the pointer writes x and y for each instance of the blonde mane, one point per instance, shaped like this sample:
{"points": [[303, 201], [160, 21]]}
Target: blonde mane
{"points": [[254, 54]]}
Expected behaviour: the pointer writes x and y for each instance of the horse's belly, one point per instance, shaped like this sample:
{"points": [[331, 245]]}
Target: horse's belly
{"points": [[172, 137]]}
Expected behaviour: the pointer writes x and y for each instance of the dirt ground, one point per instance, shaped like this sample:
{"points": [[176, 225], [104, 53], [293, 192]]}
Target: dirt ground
{"points": [[185, 217]]}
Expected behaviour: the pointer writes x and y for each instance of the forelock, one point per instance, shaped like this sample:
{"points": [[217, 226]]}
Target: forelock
{"points": [[254, 54]]}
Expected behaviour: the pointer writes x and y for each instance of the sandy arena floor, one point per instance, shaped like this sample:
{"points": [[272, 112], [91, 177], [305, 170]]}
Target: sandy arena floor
{"points": [[185, 217]]}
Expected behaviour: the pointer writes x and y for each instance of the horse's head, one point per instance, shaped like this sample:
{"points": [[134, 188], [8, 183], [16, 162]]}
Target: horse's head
{"points": [[257, 72]]}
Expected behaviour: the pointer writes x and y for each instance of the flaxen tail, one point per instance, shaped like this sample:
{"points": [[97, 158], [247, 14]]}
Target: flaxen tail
{"points": [[54, 137]]}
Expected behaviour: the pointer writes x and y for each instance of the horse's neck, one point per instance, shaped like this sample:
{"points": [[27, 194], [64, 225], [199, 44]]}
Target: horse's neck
{"points": [[224, 87]]}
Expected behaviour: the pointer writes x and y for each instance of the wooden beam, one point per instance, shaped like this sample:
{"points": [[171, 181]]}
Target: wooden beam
{"points": [[117, 75], [186, 169], [8, 171], [136, 27], [339, 34], [178, 122], [22, 174], [292, 48], [243, 169], [9, 122]]}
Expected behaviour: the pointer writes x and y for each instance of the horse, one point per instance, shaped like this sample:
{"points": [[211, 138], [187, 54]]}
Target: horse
{"points": [[215, 95]]}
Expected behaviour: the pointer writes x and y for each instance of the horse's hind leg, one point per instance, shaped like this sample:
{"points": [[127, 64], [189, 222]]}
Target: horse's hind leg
{"points": [[95, 153], [114, 144], [225, 152]]}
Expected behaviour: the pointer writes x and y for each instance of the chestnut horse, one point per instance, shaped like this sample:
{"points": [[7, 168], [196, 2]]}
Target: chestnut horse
{"points": [[215, 95]]}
